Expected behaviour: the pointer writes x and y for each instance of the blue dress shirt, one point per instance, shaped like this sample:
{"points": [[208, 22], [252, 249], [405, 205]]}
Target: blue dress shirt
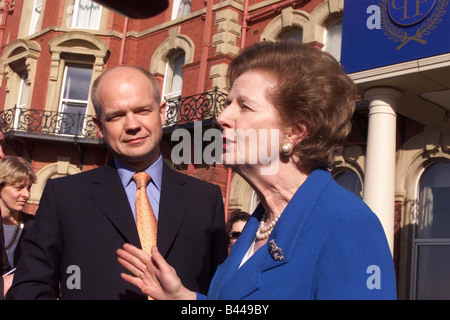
{"points": [[153, 188]]}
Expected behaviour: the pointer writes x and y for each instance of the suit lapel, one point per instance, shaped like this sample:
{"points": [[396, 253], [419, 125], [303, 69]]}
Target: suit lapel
{"points": [[108, 193], [240, 283], [174, 201], [229, 274], [291, 223]]}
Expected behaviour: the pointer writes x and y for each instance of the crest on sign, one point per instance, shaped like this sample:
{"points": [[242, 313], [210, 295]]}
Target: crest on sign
{"points": [[404, 21]]}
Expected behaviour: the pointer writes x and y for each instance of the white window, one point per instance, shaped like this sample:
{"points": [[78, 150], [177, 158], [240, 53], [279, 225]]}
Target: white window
{"points": [[22, 100], [86, 15], [74, 98], [333, 39], [35, 16], [23, 92], [173, 79], [431, 240], [181, 8], [173, 84]]}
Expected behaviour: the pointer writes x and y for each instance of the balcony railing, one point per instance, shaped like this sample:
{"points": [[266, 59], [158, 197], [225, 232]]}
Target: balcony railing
{"points": [[181, 111], [43, 122]]}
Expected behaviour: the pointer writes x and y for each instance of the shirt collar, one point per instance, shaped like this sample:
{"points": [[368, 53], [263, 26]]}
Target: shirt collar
{"points": [[126, 173]]}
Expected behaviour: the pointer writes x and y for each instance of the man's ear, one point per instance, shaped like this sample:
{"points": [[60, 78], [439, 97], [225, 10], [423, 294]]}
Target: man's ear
{"points": [[98, 125], [162, 112]]}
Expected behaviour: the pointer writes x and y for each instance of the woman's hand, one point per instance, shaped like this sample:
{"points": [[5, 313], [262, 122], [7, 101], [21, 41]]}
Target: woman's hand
{"points": [[153, 275]]}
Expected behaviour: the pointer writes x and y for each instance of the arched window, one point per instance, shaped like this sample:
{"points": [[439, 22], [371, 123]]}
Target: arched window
{"points": [[289, 25], [333, 39], [295, 34], [60, 168], [349, 179], [431, 240], [19, 62]]}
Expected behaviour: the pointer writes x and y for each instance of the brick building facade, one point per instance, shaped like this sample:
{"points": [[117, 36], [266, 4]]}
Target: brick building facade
{"points": [[52, 50]]}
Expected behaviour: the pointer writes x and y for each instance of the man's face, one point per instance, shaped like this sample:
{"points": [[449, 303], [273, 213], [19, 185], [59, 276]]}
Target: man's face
{"points": [[131, 119]]}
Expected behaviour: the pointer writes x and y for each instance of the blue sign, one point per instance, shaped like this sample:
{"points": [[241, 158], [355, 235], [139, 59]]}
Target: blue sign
{"points": [[378, 33]]}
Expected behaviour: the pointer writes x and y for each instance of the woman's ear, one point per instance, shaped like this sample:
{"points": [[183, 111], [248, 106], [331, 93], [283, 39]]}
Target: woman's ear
{"points": [[297, 133]]}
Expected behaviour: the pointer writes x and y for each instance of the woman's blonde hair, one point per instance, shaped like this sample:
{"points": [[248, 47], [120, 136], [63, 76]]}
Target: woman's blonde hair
{"points": [[16, 170]]}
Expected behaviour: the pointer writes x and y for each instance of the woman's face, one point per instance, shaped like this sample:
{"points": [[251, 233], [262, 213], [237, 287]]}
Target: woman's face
{"points": [[14, 196], [250, 122]]}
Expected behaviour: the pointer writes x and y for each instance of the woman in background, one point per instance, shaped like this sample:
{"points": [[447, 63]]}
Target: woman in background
{"points": [[235, 224], [16, 178]]}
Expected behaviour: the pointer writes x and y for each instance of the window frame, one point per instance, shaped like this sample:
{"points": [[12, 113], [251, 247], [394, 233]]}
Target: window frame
{"points": [[35, 17], [21, 107], [67, 101], [417, 242], [76, 13], [169, 75], [177, 5], [330, 25]]}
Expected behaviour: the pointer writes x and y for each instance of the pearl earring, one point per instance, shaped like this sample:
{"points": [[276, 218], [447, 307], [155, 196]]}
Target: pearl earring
{"points": [[286, 148]]}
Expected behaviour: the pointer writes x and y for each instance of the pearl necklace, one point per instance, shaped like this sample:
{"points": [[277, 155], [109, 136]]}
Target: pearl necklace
{"points": [[264, 230]]}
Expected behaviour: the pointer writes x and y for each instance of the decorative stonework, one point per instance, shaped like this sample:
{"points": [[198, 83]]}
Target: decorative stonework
{"points": [[287, 19], [61, 168], [228, 30], [321, 16], [175, 41], [217, 74], [21, 55], [76, 42]]}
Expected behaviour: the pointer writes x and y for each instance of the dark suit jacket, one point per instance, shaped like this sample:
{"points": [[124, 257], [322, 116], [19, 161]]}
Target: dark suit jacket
{"points": [[83, 219]]}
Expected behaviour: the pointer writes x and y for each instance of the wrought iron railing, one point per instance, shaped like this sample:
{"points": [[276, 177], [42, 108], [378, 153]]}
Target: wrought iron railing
{"points": [[185, 110], [180, 111], [45, 122]]}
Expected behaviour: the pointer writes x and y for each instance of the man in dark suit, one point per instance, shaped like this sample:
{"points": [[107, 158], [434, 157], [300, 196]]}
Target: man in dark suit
{"points": [[83, 219]]}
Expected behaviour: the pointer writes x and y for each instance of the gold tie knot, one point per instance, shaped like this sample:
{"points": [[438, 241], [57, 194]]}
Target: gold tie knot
{"points": [[141, 179]]}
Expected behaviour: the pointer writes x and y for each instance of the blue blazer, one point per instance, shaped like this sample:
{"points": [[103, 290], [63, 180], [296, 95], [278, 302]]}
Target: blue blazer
{"points": [[333, 247]]}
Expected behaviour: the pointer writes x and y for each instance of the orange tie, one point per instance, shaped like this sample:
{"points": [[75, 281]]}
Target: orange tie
{"points": [[146, 223]]}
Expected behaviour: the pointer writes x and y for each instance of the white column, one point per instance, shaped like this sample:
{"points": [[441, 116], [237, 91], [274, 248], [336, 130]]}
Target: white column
{"points": [[379, 177]]}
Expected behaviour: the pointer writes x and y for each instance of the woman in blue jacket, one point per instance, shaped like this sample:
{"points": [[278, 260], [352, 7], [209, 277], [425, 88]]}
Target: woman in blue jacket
{"points": [[309, 238]]}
